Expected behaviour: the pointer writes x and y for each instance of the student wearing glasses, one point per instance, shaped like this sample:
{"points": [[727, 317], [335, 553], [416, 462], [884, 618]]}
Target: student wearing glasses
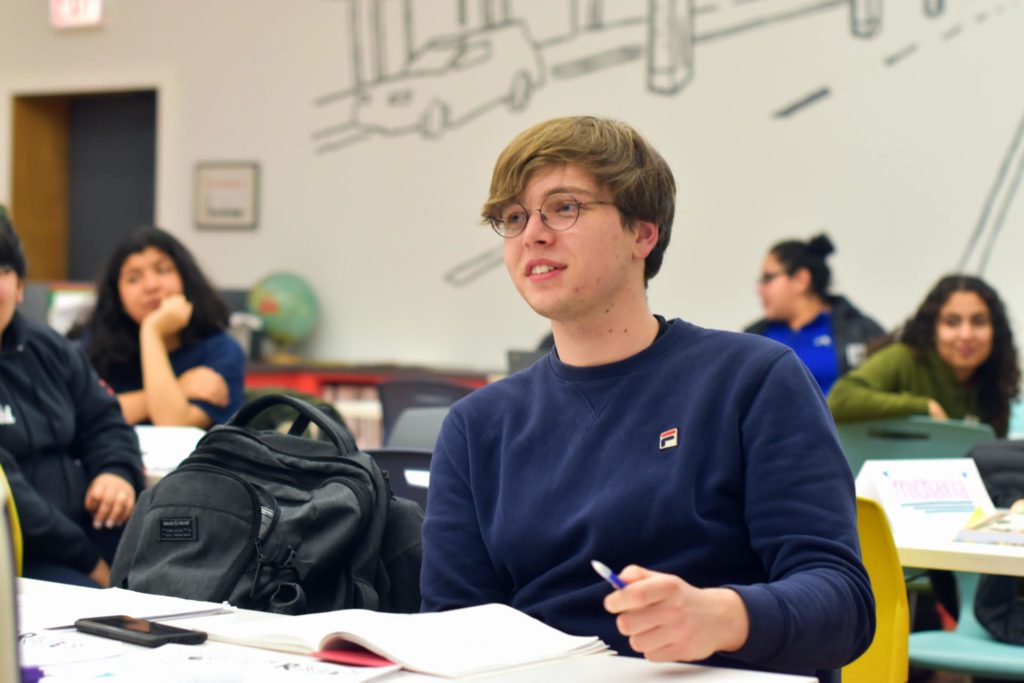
{"points": [[703, 464], [158, 336], [826, 331], [72, 462]]}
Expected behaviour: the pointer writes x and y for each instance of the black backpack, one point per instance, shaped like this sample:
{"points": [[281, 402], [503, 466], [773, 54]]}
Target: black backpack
{"points": [[999, 601], [275, 522]]}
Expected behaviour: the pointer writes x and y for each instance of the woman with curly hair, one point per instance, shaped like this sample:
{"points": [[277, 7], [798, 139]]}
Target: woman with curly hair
{"points": [[157, 336], [955, 358]]}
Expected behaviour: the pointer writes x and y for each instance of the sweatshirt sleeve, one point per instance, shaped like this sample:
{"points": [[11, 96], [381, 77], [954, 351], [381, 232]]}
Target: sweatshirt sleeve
{"points": [[103, 441], [224, 355], [457, 569], [801, 517], [48, 534], [874, 390]]}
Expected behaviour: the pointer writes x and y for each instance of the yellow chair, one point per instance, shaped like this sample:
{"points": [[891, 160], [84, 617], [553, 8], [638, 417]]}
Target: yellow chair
{"points": [[885, 661], [12, 516]]}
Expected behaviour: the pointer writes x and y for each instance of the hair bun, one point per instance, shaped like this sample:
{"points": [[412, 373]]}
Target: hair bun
{"points": [[820, 245]]}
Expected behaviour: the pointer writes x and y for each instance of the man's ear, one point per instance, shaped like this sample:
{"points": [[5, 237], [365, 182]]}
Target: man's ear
{"points": [[645, 235]]}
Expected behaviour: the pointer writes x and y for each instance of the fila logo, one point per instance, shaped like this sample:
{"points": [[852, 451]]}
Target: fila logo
{"points": [[668, 439], [7, 416]]}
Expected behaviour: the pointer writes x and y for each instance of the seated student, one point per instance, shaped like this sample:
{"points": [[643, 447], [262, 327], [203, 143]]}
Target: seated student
{"points": [[706, 461], [827, 332], [157, 336], [954, 358], [72, 463]]}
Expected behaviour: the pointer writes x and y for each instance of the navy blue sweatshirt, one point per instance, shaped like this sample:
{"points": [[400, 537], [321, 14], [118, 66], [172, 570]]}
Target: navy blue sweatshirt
{"points": [[536, 475], [59, 428]]}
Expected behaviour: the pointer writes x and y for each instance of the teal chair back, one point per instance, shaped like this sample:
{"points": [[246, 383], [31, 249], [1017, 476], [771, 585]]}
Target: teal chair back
{"points": [[909, 438], [969, 649]]}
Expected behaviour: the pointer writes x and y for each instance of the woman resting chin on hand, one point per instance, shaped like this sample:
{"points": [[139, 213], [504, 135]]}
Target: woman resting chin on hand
{"points": [[158, 336]]}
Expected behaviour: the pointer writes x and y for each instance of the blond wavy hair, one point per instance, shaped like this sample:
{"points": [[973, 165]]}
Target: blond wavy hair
{"points": [[640, 182]]}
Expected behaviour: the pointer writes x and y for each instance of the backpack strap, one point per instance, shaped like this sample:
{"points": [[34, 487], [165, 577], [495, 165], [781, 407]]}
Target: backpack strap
{"points": [[307, 413]]}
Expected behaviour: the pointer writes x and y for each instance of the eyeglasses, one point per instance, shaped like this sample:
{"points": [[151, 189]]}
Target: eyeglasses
{"points": [[558, 212], [766, 278]]}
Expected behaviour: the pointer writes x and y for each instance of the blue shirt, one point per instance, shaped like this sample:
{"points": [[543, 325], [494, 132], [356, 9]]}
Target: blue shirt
{"points": [[814, 345], [220, 352], [709, 455]]}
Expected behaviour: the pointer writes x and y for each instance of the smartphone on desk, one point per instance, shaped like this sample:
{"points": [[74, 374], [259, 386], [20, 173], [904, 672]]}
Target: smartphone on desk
{"points": [[139, 631]]}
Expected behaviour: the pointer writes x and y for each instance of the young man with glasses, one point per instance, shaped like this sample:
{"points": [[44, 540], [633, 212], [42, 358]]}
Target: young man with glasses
{"points": [[703, 462]]}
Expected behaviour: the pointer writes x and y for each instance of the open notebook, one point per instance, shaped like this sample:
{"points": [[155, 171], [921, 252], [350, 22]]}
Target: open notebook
{"points": [[453, 644]]}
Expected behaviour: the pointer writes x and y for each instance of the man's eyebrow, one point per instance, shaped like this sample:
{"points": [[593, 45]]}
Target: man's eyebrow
{"points": [[569, 189]]}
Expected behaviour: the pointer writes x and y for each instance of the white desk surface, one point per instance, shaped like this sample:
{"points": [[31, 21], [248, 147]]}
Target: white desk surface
{"points": [[596, 668], [613, 669], [983, 558]]}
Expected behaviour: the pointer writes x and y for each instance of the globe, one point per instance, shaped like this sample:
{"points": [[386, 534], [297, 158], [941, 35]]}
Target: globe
{"points": [[287, 306]]}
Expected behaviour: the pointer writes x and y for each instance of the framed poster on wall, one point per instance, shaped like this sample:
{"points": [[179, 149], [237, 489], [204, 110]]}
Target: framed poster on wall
{"points": [[227, 195]]}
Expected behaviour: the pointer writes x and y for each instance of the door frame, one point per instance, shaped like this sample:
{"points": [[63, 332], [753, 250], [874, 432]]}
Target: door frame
{"points": [[170, 205]]}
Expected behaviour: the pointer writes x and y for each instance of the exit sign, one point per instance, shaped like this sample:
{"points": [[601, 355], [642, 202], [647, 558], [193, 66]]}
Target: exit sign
{"points": [[75, 13]]}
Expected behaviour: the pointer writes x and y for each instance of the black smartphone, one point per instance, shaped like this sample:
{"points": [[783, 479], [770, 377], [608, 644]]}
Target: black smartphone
{"points": [[138, 631]]}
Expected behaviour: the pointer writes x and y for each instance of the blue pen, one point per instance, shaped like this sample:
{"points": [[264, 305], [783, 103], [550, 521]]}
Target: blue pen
{"points": [[607, 574]]}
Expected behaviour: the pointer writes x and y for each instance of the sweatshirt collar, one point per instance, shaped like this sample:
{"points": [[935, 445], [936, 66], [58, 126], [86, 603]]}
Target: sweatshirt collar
{"points": [[649, 356]]}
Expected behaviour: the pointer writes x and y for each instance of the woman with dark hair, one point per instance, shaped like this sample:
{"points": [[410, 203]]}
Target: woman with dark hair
{"points": [[826, 331], [954, 358], [72, 463], [157, 336]]}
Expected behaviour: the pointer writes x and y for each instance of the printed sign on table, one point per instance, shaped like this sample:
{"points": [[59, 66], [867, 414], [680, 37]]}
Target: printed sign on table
{"points": [[925, 498]]}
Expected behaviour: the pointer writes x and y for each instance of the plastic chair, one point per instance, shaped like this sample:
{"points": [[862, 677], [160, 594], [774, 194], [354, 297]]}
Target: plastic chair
{"points": [[908, 438], [397, 395], [9, 671], [969, 649], [885, 660], [408, 471], [417, 428], [13, 523]]}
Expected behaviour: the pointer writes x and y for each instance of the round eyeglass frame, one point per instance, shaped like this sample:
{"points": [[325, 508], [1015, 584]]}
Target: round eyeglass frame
{"points": [[499, 225]]}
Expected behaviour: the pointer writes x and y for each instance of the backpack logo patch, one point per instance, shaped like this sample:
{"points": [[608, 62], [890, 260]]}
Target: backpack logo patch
{"points": [[668, 439], [178, 529], [7, 416]]}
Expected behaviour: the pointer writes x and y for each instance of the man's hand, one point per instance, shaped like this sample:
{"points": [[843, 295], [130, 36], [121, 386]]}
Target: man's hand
{"points": [[936, 411], [110, 499], [668, 620], [172, 316], [203, 383], [101, 573]]}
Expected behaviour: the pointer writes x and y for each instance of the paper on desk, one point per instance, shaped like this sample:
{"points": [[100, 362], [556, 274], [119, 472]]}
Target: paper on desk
{"points": [[208, 663], [42, 605], [163, 448], [53, 648]]}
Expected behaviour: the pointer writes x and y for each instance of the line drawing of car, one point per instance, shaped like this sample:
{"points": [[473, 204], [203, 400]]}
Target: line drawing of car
{"points": [[453, 79]]}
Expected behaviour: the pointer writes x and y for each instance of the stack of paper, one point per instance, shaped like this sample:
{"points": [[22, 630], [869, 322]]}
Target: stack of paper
{"points": [[43, 605], [1001, 527], [461, 642]]}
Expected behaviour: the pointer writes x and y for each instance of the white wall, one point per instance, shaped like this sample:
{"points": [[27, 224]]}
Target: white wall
{"points": [[897, 162]]}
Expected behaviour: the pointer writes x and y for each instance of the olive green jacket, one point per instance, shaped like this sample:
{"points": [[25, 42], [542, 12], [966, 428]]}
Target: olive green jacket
{"points": [[892, 383]]}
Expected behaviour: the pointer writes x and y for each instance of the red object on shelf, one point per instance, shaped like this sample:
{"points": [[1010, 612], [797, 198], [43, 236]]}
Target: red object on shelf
{"points": [[314, 379]]}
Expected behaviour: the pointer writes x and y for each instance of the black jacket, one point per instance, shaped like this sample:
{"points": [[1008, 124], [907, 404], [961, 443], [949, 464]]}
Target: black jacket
{"points": [[59, 428], [851, 330]]}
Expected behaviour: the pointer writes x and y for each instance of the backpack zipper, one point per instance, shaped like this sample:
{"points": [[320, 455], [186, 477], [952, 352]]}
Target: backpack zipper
{"points": [[234, 571]]}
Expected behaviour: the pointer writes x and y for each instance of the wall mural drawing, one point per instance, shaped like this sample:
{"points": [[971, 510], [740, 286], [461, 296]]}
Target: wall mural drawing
{"points": [[997, 205], [450, 79], [501, 54]]}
